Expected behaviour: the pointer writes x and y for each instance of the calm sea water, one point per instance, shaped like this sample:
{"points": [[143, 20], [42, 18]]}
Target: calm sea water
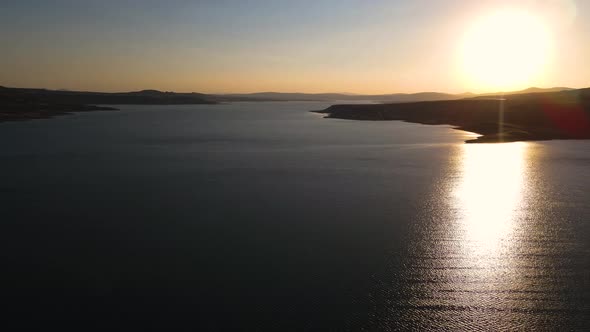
{"points": [[263, 216]]}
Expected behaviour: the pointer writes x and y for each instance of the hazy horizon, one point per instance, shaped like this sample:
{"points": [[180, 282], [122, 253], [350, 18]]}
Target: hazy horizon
{"points": [[357, 47], [296, 92]]}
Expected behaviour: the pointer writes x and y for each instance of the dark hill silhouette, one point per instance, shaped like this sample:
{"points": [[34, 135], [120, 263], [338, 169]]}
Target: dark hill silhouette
{"points": [[145, 97], [530, 116], [23, 103]]}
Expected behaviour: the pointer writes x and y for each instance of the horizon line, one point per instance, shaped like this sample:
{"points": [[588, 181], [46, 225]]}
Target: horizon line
{"points": [[291, 92]]}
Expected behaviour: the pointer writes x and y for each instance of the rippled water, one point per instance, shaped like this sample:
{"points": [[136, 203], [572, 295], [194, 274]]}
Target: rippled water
{"points": [[498, 245], [265, 216]]}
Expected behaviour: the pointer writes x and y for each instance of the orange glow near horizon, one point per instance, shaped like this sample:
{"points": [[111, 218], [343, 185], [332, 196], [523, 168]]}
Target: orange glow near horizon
{"points": [[369, 47]]}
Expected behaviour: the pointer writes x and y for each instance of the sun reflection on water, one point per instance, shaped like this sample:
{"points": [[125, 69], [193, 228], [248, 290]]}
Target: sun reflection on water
{"points": [[486, 258], [489, 196]]}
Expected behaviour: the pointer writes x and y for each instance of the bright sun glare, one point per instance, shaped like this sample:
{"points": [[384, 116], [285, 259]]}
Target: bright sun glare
{"points": [[506, 50], [489, 195]]}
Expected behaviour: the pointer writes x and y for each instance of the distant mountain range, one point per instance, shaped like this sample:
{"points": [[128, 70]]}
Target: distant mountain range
{"points": [[155, 97], [525, 91], [386, 98], [395, 97]]}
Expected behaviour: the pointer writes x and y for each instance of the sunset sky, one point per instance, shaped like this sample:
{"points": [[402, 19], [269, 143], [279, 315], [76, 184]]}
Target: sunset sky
{"points": [[227, 46]]}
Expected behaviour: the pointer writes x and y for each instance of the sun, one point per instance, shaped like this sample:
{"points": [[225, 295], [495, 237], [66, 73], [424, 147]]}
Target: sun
{"points": [[505, 50]]}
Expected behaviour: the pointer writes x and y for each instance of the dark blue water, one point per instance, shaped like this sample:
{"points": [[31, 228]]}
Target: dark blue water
{"points": [[263, 216]]}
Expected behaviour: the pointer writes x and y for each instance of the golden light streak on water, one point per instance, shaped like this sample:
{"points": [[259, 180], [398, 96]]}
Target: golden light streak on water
{"points": [[489, 196]]}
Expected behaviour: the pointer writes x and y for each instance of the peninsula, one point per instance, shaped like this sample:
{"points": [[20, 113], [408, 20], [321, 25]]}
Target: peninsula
{"points": [[18, 104], [516, 117]]}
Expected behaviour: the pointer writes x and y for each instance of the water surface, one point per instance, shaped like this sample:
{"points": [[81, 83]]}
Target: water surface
{"points": [[266, 216]]}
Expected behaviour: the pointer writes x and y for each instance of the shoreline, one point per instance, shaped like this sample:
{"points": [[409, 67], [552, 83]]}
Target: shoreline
{"points": [[26, 112], [527, 117]]}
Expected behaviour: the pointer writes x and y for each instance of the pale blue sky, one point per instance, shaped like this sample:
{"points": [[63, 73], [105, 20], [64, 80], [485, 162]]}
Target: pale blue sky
{"points": [[243, 46]]}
